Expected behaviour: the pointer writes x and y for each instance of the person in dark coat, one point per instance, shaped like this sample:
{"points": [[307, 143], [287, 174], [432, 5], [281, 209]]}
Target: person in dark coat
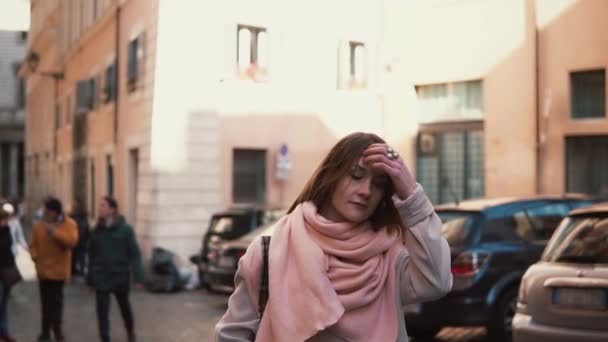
{"points": [[113, 258], [7, 260], [79, 214]]}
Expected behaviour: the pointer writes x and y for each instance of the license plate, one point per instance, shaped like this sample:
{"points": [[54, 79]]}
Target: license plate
{"points": [[593, 299], [412, 309], [226, 262]]}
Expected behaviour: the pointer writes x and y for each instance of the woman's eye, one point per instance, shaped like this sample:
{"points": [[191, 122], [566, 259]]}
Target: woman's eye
{"points": [[356, 176]]}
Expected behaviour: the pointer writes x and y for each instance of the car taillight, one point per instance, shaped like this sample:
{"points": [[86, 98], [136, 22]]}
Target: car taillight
{"points": [[523, 292], [469, 263]]}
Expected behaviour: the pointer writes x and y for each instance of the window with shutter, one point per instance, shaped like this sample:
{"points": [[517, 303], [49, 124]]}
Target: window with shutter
{"points": [[109, 89], [252, 52], [136, 65], [588, 94], [352, 65], [132, 67], [82, 92]]}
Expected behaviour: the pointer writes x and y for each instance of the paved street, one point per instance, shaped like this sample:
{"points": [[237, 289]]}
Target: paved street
{"points": [[184, 317], [188, 316]]}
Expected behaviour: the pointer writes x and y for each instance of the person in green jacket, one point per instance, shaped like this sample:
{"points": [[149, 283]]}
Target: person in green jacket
{"points": [[113, 257]]}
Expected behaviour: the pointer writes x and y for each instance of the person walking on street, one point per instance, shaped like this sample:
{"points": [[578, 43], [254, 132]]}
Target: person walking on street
{"points": [[360, 241], [53, 238], [114, 257], [81, 218], [16, 229], [7, 264]]}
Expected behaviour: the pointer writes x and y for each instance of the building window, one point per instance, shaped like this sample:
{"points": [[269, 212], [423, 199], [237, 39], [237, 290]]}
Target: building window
{"points": [[588, 94], [109, 88], [587, 164], [86, 99], [252, 52], [135, 65], [94, 5], [249, 176], [352, 65], [109, 176], [458, 101], [451, 163]]}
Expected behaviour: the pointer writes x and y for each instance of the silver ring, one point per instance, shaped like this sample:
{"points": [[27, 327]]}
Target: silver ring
{"points": [[392, 155]]}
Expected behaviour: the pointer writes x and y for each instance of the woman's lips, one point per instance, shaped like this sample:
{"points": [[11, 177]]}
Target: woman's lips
{"points": [[359, 205]]}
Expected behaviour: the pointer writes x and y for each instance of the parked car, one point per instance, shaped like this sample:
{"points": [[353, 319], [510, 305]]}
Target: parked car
{"points": [[229, 225], [492, 242], [224, 258], [564, 297]]}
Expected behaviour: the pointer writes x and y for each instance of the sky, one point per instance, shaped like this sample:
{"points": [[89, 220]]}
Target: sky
{"points": [[14, 15]]}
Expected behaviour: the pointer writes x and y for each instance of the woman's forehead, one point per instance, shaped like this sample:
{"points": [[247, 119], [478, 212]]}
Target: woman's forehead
{"points": [[360, 166]]}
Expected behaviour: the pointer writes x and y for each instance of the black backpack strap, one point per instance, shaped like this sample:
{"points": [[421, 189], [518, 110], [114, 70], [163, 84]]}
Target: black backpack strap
{"points": [[263, 299]]}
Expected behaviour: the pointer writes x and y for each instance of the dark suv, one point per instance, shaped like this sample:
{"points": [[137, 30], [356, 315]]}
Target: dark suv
{"points": [[493, 242], [230, 225]]}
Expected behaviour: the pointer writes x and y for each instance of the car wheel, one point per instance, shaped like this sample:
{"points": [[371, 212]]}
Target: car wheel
{"points": [[501, 326], [423, 334]]}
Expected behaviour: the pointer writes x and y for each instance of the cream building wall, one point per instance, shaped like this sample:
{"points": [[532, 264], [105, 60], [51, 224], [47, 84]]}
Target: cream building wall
{"points": [[202, 111], [572, 37], [488, 40]]}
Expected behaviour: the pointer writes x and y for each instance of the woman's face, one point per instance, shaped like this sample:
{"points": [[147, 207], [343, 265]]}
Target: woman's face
{"points": [[357, 195]]}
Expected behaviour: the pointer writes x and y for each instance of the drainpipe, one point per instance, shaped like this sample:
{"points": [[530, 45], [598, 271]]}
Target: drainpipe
{"points": [[539, 147], [116, 74]]}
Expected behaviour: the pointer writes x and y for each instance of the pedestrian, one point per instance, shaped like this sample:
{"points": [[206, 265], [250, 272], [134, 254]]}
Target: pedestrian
{"points": [[18, 238], [359, 242], [8, 271], [53, 238], [81, 217], [113, 258]]}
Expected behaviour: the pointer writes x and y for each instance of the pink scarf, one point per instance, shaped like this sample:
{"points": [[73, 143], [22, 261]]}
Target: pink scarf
{"points": [[335, 276]]}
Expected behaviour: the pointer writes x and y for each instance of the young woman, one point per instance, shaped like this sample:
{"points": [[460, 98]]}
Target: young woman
{"points": [[358, 243], [113, 258]]}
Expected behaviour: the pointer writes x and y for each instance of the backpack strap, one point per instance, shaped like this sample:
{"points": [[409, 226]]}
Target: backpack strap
{"points": [[263, 298]]}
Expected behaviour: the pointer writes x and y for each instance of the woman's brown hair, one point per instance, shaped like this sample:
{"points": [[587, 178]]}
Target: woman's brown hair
{"points": [[337, 164]]}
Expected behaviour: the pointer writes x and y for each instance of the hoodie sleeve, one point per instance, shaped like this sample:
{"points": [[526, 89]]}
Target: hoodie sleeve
{"points": [[135, 256], [67, 233], [425, 274], [241, 321]]}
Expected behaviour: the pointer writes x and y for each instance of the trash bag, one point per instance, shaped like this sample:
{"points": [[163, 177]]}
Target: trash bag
{"points": [[164, 275]]}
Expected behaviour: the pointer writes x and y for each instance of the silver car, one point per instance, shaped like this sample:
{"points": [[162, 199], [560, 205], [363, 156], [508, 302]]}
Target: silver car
{"points": [[564, 297]]}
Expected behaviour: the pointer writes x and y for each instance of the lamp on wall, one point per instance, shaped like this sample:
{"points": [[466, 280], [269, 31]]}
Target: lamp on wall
{"points": [[33, 61]]}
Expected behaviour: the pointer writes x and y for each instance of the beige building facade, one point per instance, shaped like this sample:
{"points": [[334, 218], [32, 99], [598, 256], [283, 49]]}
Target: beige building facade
{"points": [[510, 94], [180, 111]]}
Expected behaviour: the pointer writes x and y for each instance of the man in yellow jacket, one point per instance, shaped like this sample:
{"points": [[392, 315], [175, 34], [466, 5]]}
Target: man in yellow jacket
{"points": [[53, 238]]}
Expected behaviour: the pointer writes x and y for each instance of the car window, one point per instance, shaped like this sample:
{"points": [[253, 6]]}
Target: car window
{"points": [[581, 239], [223, 225], [500, 229], [579, 204], [457, 226], [543, 219]]}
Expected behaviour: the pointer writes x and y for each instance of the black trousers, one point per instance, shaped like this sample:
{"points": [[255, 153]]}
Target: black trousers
{"points": [[103, 312], [51, 300]]}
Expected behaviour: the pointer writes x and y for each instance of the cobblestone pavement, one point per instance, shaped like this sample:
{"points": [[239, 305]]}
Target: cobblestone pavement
{"points": [[185, 316]]}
